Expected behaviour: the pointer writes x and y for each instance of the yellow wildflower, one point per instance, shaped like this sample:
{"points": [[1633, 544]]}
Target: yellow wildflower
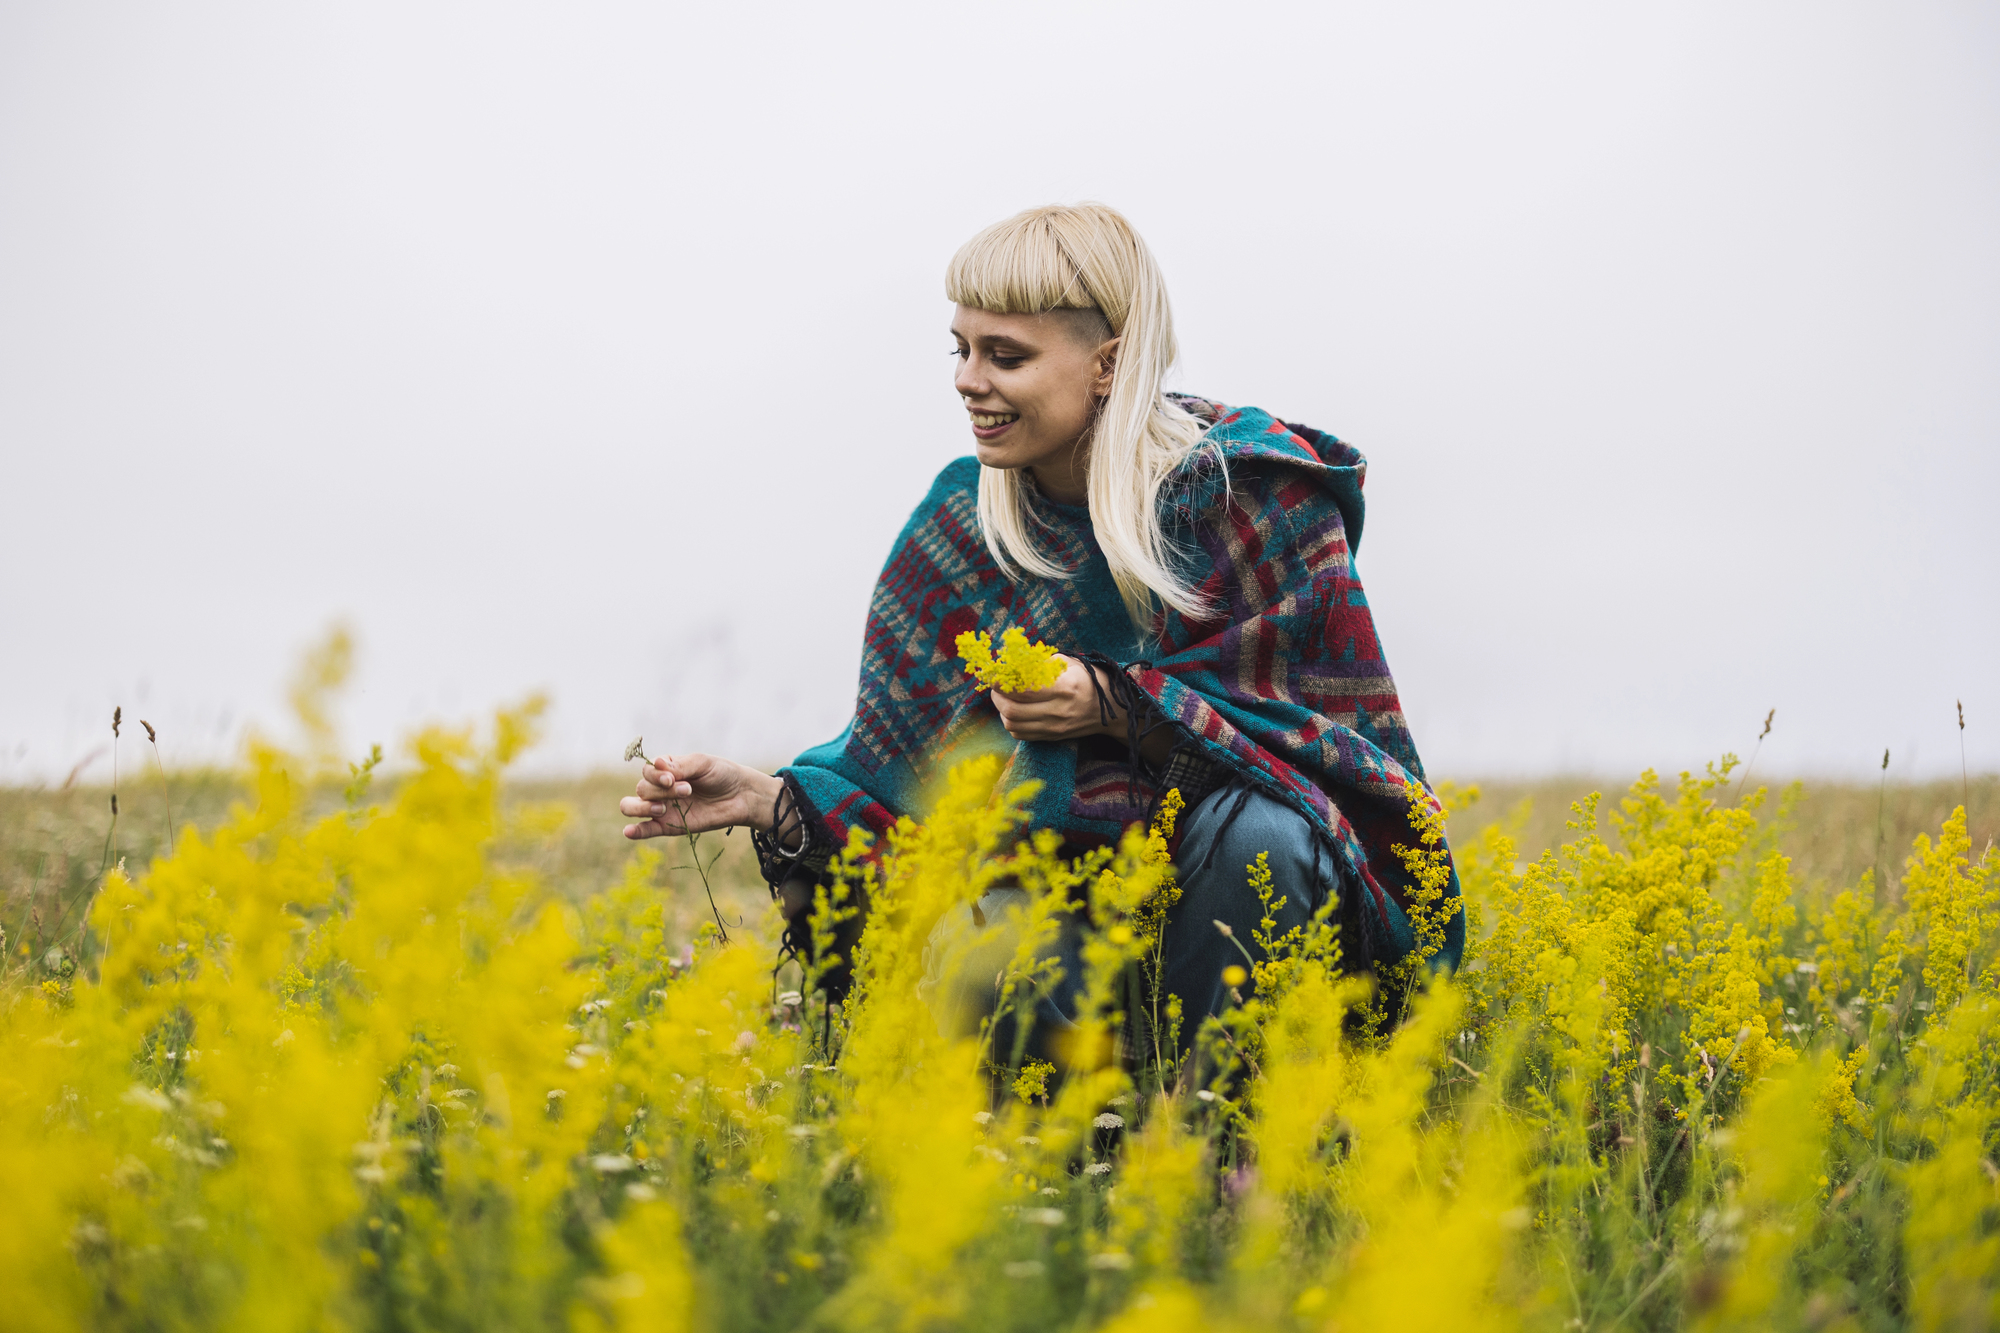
{"points": [[1032, 1083], [1021, 668]]}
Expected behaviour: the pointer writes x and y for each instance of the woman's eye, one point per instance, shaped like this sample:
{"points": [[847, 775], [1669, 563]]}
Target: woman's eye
{"points": [[958, 352], [1007, 362]]}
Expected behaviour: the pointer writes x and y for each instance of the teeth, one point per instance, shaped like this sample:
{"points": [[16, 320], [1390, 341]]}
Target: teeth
{"points": [[987, 420]]}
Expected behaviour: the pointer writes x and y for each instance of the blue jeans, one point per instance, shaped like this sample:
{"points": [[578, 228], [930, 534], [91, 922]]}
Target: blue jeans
{"points": [[1220, 839]]}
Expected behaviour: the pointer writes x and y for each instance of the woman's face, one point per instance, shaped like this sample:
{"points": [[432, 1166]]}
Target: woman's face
{"points": [[1031, 384]]}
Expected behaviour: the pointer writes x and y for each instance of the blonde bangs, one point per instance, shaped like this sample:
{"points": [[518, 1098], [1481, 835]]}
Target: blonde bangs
{"points": [[1018, 267]]}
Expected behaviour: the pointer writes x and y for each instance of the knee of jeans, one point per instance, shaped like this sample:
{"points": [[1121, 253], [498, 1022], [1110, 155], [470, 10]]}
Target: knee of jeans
{"points": [[1263, 825]]}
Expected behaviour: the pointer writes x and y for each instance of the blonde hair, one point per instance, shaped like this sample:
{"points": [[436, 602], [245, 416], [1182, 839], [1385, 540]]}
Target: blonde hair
{"points": [[1087, 257]]}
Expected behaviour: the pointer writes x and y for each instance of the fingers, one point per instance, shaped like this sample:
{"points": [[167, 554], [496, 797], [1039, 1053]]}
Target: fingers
{"points": [[663, 773], [1042, 728], [663, 789], [691, 767], [1034, 713], [642, 807], [672, 816], [662, 779], [681, 794], [655, 828], [665, 816], [679, 775], [1047, 719]]}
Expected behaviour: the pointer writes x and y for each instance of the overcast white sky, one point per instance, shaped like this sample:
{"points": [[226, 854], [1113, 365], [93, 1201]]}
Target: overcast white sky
{"points": [[600, 349]]}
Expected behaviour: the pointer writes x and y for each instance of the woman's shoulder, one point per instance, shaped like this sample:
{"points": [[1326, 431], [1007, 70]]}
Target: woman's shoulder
{"points": [[948, 510]]}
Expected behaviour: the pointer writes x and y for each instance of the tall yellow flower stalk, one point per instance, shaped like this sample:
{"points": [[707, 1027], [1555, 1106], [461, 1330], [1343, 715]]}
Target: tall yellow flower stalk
{"points": [[914, 1093]]}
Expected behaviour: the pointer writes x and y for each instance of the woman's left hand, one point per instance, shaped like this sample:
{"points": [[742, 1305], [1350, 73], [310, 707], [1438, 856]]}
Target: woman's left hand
{"points": [[1064, 711]]}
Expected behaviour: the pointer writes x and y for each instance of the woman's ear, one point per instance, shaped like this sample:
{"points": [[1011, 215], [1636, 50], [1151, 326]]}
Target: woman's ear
{"points": [[1107, 364]]}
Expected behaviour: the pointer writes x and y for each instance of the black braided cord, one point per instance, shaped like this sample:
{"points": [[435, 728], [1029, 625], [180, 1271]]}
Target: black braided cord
{"points": [[797, 848], [776, 861]]}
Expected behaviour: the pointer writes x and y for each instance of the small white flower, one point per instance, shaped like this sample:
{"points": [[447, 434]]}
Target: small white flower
{"points": [[983, 1117], [1122, 1099], [556, 1094], [745, 1040], [611, 1163], [1050, 1191], [636, 749], [640, 1192], [1109, 1120], [1029, 1141], [789, 998], [803, 1131], [1111, 1259], [1043, 1217], [139, 1095], [1205, 1095], [1098, 1169]]}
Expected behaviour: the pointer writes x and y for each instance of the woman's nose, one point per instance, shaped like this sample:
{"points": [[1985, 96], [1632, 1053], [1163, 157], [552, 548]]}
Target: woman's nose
{"points": [[970, 381]]}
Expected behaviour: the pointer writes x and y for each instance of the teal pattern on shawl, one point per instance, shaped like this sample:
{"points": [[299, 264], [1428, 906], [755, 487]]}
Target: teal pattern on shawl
{"points": [[1284, 685]]}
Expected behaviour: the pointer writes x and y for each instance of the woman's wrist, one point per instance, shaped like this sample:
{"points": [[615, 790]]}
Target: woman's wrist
{"points": [[775, 821], [761, 792]]}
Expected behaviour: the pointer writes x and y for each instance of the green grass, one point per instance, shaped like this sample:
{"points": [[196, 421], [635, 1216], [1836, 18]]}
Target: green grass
{"points": [[53, 841]]}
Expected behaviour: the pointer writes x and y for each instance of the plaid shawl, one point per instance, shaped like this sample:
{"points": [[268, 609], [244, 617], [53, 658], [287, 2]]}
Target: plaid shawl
{"points": [[1282, 688]]}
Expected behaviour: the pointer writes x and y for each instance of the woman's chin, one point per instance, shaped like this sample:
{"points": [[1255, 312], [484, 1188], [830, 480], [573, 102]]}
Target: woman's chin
{"points": [[995, 455]]}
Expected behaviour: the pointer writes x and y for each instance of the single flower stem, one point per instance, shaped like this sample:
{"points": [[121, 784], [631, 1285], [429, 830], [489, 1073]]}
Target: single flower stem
{"points": [[1230, 935], [694, 850], [168, 786], [105, 864]]}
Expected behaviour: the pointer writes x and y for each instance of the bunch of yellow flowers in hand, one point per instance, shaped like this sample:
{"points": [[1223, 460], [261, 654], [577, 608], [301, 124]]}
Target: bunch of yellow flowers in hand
{"points": [[1021, 668]]}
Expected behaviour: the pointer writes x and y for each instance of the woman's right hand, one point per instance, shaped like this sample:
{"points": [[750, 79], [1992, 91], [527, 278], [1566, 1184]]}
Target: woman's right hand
{"points": [[695, 793]]}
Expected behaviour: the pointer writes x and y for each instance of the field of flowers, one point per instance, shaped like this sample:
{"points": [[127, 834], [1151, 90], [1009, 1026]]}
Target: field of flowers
{"points": [[366, 1066]]}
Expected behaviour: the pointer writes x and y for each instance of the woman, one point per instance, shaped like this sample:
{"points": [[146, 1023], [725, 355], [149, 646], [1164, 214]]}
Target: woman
{"points": [[1193, 562]]}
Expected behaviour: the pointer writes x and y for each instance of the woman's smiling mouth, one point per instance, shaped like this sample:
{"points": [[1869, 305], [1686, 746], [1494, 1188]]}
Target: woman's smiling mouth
{"points": [[986, 425]]}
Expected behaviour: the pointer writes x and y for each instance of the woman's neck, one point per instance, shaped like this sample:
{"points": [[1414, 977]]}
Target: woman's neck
{"points": [[1065, 478]]}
